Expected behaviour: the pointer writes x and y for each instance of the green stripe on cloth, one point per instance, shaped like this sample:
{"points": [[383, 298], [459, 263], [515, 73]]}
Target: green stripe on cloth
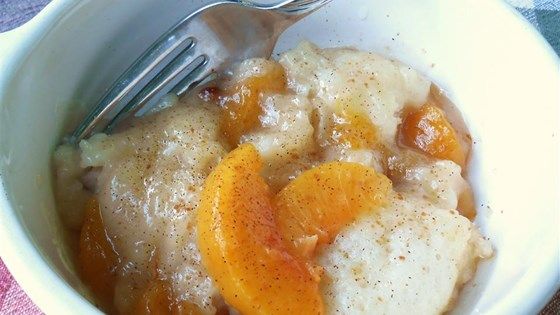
{"points": [[549, 26], [545, 17]]}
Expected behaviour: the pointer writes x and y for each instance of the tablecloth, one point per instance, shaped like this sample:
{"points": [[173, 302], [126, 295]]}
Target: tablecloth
{"points": [[543, 14]]}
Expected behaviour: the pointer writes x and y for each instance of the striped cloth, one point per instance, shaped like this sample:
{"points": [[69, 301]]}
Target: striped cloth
{"points": [[12, 298], [543, 14], [13, 13]]}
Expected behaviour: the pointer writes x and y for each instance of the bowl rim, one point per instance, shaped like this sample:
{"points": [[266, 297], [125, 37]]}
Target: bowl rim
{"points": [[56, 296], [18, 252]]}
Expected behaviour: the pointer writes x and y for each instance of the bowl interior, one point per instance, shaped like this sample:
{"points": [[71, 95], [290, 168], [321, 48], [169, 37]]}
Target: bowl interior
{"points": [[501, 75]]}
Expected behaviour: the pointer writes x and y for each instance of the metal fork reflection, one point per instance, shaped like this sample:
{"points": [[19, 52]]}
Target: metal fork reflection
{"points": [[205, 42]]}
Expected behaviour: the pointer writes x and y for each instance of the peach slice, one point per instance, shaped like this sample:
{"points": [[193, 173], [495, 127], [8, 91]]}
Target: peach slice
{"points": [[96, 256], [241, 103], [157, 299], [465, 204], [428, 130], [313, 208], [241, 246], [354, 129]]}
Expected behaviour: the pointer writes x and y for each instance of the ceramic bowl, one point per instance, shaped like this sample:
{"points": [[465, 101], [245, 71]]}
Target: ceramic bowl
{"points": [[498, 70]]}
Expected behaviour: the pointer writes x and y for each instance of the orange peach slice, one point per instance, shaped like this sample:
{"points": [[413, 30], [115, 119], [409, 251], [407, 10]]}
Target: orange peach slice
{"points": [[241, 245], [312, 209], [354, 129], [428, 130], [96, 256], [157, 299], [241, 103]]}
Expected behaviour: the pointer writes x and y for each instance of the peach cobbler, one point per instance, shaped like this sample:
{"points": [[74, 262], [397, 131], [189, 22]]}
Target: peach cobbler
{"points": [[327, 182]]}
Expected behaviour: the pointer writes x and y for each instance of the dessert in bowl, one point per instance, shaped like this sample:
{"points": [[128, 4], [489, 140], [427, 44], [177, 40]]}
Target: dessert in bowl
{"points": [[498, 281], [327, 182]]}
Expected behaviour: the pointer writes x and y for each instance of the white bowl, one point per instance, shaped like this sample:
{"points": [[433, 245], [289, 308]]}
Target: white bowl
{"points": [[501, 73]]}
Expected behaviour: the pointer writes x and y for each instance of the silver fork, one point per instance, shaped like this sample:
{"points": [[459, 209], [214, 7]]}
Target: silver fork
{"points": [[205, 42]]}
